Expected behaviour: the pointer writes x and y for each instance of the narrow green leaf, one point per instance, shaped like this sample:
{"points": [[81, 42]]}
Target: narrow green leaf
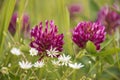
{"points": [[108, 51], [107, 43], [21, 9], [64, 25], [6, 16], [93, 6]]}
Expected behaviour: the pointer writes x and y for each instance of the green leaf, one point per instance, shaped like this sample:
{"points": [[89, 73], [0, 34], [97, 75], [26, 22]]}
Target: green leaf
{"points": [[21, 9], [91, 48], [64, 26], [107, 43], [93, 6], [108, 51], [5, 16]]}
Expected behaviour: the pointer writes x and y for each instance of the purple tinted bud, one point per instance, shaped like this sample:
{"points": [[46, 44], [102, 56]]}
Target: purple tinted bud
{"points": [[25, 24], [86, 31], [74, 9], [109, 18], [47, 38], [12, 25]]}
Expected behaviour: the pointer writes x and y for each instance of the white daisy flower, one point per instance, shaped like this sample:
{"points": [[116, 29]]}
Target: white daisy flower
{"points": [[64, 60], [33, 52], [76, 66], [39, 64], [25, 65], [89, 62], [52, 52], [15, 51], [56, 63]]}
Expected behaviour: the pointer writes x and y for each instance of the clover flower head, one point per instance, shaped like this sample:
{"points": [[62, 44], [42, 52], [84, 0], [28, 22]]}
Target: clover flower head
{"points": [[43, 40], [109, 18], [89, 31]]}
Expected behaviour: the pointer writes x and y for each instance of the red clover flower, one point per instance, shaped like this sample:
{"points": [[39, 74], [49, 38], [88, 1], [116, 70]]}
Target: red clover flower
{"points": [[109, 18], [88, 31], [46, 39]]}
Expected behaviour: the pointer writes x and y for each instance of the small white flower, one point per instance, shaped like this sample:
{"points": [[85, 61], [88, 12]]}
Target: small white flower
{"points": [[56, 63], [15, 51], [76, 66], [89, 62], [33, 52], [64, 59], [94, 75], [52, 52], [25, 65], [39, 64], [9, 65]]}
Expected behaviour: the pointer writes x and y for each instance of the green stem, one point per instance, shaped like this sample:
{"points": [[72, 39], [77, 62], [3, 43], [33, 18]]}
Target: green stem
{"points": [[65, 74], [17, 71], [98, 66], [116, 43], [68, 72], [34, 74]]}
